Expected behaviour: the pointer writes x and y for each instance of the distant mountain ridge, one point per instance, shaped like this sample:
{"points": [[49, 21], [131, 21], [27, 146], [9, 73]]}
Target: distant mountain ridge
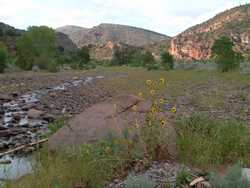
{"points": [[196, 42], [115, 33]]}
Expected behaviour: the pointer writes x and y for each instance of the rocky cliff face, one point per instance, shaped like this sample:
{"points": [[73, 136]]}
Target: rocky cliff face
{"points": [[196, 42]]}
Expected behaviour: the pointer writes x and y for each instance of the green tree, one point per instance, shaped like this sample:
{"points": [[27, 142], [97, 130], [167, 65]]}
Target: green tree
{"points": [[167, 60], [123, 55], [84, 56], [3, 59], [226, 58], [147, 58], [36, 47]]}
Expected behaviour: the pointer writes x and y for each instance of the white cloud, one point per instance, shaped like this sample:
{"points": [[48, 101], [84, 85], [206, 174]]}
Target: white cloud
{"points": [[166, 16]]}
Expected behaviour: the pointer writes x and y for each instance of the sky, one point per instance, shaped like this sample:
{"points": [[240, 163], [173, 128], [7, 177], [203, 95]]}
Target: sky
{"points": [[169, 17]]}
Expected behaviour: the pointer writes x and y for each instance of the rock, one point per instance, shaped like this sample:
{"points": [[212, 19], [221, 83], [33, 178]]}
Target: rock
{"points": [[29, 150], [97, 121], [35, 114], [49, 118], [17, 117], [2, 128], [196, 181], [26, 107], [5, 162], [1, 110], [5, 133], [15, 94], [5, 98], [53, 94]]}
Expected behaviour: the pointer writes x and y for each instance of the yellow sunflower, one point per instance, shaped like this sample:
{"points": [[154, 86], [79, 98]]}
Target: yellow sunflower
{"points": [[134, 108], [162, 101], [163, 123], [140, 94], [162, 81], [152, 92], [153, 109], [173, 109], [148, 82]]}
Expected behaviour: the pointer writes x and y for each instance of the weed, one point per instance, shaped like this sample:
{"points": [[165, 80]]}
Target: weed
{"points": [[206, 142]]}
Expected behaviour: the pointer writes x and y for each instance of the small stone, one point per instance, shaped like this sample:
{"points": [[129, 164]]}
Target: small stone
{"points": [[5, 98], [14, 94], [5, 162], [29, 149], [35, 114], [49, 118], [53, 95], [17, 117]]}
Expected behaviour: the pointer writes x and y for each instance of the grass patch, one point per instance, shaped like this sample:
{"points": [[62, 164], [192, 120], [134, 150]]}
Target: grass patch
{"points": [[56, 125], [205, 142]]}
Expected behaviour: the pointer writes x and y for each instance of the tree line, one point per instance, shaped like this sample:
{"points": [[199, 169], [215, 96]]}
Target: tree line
{"points": [[37, 49]]}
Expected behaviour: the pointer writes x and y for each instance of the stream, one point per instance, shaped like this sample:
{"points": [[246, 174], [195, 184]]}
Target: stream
{"points": [[19, 129]]}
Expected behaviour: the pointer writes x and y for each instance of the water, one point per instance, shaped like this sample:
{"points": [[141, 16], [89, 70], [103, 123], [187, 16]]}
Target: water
{"points": [[21, 166], [18, 168]]}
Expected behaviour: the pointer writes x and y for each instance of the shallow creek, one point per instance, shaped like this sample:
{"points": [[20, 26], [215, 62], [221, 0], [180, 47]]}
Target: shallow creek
{"points": [[18, 129]]}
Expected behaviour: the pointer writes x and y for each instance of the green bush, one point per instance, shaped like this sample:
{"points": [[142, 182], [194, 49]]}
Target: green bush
{"points": [[206, 142], [233, 179], [167, 61], [183, 177], [226, 58], [147, 58], [3, 59]]}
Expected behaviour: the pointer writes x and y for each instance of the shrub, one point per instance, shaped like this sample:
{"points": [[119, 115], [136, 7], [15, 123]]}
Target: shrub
{"points": [[122, 55], [154, 66], [167, 60], [147, 58], [3, 59], [233, 179], [226, 58], [84, 55], [206, 142]]}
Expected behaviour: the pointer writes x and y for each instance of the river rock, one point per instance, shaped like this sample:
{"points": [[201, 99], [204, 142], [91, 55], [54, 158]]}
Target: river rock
{"points": [[35, 114], [97, 121], [5, 98], [49, 118]]}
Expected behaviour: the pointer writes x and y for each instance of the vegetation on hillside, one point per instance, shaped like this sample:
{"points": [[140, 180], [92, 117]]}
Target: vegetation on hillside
{"points": [[167, 60], [226, 58], [3, 58]]}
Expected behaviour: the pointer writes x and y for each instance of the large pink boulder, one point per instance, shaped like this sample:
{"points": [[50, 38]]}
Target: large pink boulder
{"points": [[94, 123]]}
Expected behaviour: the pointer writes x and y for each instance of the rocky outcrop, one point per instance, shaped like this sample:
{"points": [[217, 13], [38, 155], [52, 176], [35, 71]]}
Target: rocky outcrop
{"points": [[196, 42]]}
